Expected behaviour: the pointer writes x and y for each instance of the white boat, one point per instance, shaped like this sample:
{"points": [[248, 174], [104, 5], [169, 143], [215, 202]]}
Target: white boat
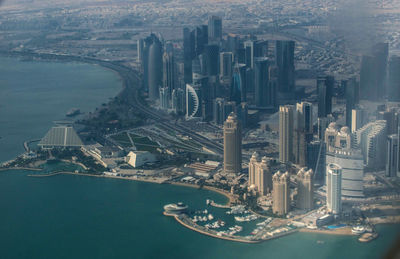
{"points": [[210, 217], [358, 230]]}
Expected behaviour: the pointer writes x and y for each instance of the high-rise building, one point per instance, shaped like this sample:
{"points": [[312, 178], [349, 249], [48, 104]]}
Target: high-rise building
{"points": [[242, 111], [238, 86], [281, 193], [305, 189], [373, 73], [164, 98], [325, 93], [140, 46], [339, 150], [155, 76], [316, 159], [214, 28], [272, 92], [390, 116], [352, 96], [211, 52], [359, 117], [261, 84], [286, 119], [189, 53], [394, 79], [260, 176], [232, 145], [303, 132], [371, 139], [392, 162], [201, 38], [334, 188], [219, 110], [169, 72], [178, 101], [193, 101], [226, 67], [284, 56], [249, 53]]}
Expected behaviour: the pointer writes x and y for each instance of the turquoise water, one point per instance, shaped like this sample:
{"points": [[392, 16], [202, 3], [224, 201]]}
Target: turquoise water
{"points": [[34, 94], [71, 216]]}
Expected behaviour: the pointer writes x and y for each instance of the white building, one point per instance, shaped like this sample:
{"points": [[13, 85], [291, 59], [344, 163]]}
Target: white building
{"points": [[139, 158], [334, 188]]}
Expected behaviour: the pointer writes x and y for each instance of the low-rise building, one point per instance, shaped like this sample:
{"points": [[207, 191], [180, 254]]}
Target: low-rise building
{"points": [[139, 158]]}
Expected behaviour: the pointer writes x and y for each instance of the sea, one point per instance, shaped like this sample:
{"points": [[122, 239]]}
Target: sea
{"points": [[73, 216]]}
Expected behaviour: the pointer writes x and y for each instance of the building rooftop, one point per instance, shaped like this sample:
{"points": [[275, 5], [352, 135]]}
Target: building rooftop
{"points": [[61, 136]]}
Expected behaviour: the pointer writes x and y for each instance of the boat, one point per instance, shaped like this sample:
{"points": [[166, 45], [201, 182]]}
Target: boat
{"points": [[367, 237], [176, 209], [208, 202], [358, 230], [210, 217], [73, 112]]}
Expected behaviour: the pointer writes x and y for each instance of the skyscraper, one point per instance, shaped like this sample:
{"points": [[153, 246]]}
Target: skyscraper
{"points": [[260, 176], [351, 95], [226, 67], [238, 87], [325, 93], [394, 79], [193, 101], [281, 193], [305, 189], [284, 56], [211, 52], [261, 84], [286, 119], [201, 38], [214, 28], [303, 132], [169, 73], [155, 76], [164, 98], [392, 162], [334, 188], [358, 117], [232, 145], [188, 54]]}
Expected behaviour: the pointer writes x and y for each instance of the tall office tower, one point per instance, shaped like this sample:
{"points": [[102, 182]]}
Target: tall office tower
{"points": [[249, 53], [261, 84], [218, 110], [273, 74], [232, 42], [316, 159], [189, 53], [260, 48], [214, 28], [140, 46], [260, 177], [359, 117], [145, 61], [240, 54], [232, 145], [238, 87], [284, 56], [201, 39], [323, 124], [394, 79], [303, 132], [392, 162], [390, 116], [381, 53], [371, 139], [193, 101], [325, 93], [373, 73], [334, 188], [155, 68], [339, 150], [211, 53], [286, 118], [164, 98], [305, 189], [281, 193], [242, 112], [226, 67], [178, 101], [169, 72], [351, 95]]}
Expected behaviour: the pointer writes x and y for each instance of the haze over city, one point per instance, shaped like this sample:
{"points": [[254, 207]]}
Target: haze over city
{"points": [[206, 128]]}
